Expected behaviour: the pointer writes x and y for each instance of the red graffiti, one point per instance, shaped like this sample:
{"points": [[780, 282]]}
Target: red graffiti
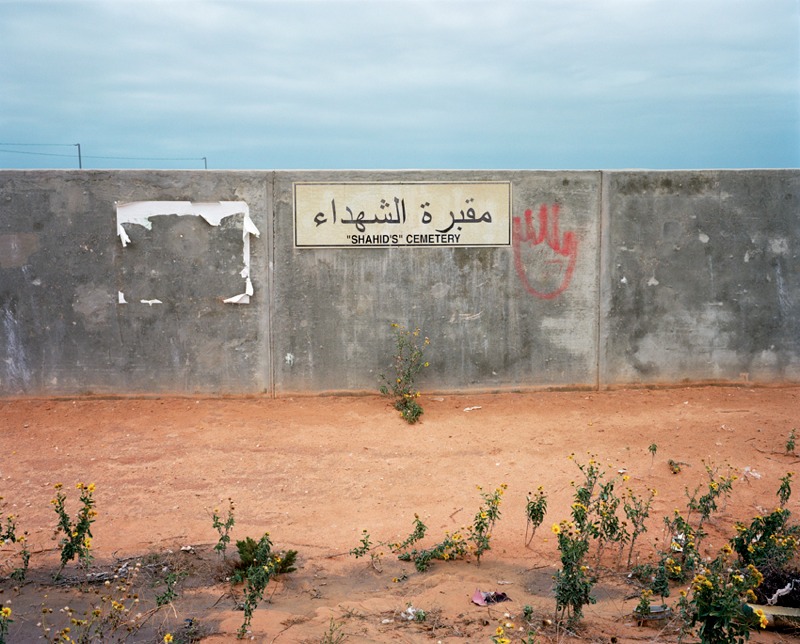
{"points": [[564, 249]]}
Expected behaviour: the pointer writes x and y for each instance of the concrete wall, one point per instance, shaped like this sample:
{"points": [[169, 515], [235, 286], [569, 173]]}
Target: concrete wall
{"points": [[703, 277], [670, 276]]}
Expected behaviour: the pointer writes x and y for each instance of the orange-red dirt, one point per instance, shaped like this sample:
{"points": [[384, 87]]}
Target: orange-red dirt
{"points": [[315, 472]]}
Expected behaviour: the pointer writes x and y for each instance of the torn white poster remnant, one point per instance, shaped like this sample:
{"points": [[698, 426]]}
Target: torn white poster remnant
{"points": [[121, 298], [140, 212], [151, 302]]}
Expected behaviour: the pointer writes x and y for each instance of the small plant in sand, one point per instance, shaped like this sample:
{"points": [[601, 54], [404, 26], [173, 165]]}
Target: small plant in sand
{"points": [[596, 505], [574, 582], [682, 555], [719, 487], [257, 566], [455, 545], [637, 509], [769, 542], [223, 528], [409, 360], [334, 634], [504, 632], [790, 443], [715, 600], [8, 535], [77, 535], [474, 539], [169, 593], [365, 548], [642, 610], [5, 620], [785, 490], [535, 510]]}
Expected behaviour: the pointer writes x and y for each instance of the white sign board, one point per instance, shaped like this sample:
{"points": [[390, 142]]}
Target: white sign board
{"points": [[385, 214]]}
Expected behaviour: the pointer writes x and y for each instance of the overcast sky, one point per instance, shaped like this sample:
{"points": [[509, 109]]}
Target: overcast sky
{"points": [[531, 84]]}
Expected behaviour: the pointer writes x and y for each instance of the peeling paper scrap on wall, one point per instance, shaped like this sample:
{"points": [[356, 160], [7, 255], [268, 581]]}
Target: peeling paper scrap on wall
{"points": [[139, 213]]}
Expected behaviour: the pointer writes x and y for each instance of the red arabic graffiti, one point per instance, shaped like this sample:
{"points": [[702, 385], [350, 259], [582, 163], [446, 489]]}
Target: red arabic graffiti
{"points": [[552, 269]]}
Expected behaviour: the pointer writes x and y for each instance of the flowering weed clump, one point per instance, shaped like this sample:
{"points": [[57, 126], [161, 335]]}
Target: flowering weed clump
{"points": [[77, 535], [5, 620], [768, 542], [535, 510], [715, 600], [474, 539], [223, 528], [409, 360], [258, 565], [8, 535], [574, 582]]}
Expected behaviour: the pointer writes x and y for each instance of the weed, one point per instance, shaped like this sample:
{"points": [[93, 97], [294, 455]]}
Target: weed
{"points": [[718, 487], [223, 528], [258, 565], [77, 539], [455, 545], [366, 548], [334, 633], [574, 582], [595, 509], [785, 490], [715, 600], [683, 550], [9, 535], [501, 636], [637, 509], [409, 360], [250, 555], [535, 509], [481, 530], [5, 620], [169, 593], [527, 613], [768, 542], [642, 609], [790, 443]]}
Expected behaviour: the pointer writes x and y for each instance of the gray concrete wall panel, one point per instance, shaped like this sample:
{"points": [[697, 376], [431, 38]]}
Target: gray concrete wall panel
{"points": [[702, 277], [517, 316], [62, 267]]}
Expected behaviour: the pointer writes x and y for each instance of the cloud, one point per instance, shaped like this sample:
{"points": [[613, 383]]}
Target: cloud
{"points": [[327, 75]]}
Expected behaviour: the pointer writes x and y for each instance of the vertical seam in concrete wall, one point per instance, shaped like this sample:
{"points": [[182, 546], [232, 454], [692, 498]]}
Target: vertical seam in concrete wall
{"points": [[271, 279], [598, 285], [602, 280]]}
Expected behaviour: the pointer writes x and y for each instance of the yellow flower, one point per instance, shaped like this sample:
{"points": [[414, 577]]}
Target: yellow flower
{"points": [[5, 612], [499, 630], [168, 638], [762, 618], [556, 528], [90, 488]]}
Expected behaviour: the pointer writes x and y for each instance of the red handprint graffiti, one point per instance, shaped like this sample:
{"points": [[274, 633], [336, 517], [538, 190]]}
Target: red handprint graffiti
{"points": [[544, 273]]}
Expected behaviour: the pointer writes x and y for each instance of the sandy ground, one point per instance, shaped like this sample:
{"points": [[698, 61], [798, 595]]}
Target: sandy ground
{"points": [[315, 472]]}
